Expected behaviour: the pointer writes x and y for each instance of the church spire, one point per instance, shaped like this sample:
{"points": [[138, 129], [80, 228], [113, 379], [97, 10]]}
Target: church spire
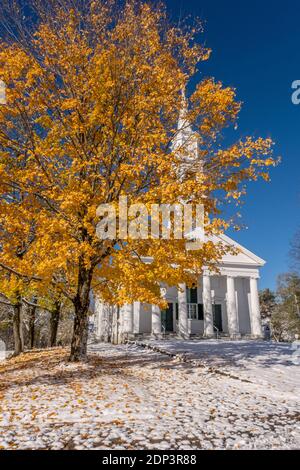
{"points": [[185, 139], [183, 123]]}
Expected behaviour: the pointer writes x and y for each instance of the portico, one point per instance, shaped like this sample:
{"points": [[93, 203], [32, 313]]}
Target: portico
{"points": [[223, 303]]}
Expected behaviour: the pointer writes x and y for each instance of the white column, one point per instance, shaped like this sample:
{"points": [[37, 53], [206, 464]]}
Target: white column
{"points": [[156, 327], [136, 316], [127, 323], [182, 312], [156, 321], [233, 327], [255, 319], [207, 307], [103, 325]]}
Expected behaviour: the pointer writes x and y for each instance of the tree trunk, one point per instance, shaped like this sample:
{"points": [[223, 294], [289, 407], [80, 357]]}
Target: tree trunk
{"points": [[115, 325], [54, 321], [81, 306], [17, 329], [32, 313]]}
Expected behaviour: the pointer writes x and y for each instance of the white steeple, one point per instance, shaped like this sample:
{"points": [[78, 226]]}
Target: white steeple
{"points": [[182, 120], [185, 141]]}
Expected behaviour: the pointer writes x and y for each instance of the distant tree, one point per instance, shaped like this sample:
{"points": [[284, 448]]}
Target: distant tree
{"points": [[285, 320], [52, 302], [6, 332], [288, 288], [54, 322], [267, 299], [31, 311], [11, 297]]}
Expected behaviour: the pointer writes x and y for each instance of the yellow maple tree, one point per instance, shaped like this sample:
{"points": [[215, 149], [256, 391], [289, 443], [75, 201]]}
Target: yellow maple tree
{"points": [[93, 98]]}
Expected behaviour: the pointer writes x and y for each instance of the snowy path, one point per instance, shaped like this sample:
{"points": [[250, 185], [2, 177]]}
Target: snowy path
{"points": [[128, 397], [263, 363]]}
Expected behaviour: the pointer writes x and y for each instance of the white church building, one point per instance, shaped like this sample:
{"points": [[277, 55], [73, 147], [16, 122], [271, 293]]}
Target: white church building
{"points": [[223, 304], [226, 303]]}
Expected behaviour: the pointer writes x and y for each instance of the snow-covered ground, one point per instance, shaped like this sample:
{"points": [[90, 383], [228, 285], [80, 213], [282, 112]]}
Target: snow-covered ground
{"points": [[272, 365], [129, 397]]}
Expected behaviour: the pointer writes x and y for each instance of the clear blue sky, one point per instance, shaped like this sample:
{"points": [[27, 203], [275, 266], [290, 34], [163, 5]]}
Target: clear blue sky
{"points": [[256, 48]]}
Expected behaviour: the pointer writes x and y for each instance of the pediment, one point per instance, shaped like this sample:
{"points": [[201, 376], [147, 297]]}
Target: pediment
{"points": [[243, 257]]}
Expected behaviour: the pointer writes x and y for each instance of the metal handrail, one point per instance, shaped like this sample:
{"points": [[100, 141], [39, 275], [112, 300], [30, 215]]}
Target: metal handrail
{"points": [[217, 331]]}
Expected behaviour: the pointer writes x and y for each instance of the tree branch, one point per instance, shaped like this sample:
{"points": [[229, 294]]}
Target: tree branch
{"points": [[16, 273]]}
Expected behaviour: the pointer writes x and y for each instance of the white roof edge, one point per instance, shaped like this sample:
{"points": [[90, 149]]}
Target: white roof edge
{"points": [[258, 261], [230, 241]]}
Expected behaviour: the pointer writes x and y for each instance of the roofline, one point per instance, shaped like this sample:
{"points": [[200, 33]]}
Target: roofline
{"points": [[257, 259]]}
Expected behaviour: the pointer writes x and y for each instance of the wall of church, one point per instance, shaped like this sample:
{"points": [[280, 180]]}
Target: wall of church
{"points": [[141, 318], [145, 318], [219, 291], [242, 290]]}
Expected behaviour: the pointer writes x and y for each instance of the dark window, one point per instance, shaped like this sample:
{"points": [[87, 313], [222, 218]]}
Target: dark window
{"points": [[191, 295], [167, 318], [217, 313], [176, 311], [200, 312]]}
